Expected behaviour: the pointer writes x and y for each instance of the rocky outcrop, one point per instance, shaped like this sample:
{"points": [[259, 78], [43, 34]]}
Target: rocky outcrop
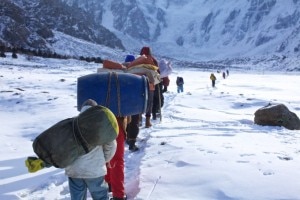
{"points": [[30, 24], [277, 115]]}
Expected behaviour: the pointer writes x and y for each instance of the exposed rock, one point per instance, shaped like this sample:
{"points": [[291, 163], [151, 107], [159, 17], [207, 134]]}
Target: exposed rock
{"points": [[30, 24], [277, 115]]}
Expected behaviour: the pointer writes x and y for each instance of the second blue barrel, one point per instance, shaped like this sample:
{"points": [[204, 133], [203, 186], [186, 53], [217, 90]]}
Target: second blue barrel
{"points": [[123, 93]]}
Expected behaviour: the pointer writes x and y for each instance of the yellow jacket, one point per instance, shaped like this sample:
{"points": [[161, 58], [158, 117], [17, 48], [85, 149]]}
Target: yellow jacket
{"points": [[212, 77]]}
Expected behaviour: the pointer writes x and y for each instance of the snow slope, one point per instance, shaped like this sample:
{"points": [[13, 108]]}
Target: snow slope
{"points": [[206, 146]]}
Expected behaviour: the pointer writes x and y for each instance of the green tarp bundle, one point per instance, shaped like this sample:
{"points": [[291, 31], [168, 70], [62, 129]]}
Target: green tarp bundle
{"points": [[68, 139]]}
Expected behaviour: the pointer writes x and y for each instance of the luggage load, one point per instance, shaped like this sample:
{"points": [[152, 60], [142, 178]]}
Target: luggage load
{"points": [[64, 142], [142, 60], [165, 68], [108, 64], [124, 94], [148, 70], [101, 70], [111, 66]]}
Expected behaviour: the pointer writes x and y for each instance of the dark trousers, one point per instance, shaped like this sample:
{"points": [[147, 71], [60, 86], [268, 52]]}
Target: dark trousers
{"points": [[133, 128], [158, 96], [213, 82]]}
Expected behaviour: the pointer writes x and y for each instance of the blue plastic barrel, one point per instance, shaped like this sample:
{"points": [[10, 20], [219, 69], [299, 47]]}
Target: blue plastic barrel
{"points": [[123, 93]]}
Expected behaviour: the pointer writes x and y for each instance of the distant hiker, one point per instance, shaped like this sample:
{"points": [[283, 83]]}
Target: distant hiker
{"points": [[179, 83], [224, 75], [146, 65], [165, 84], [115, 176], [227, 72], [165, 70], [213, 79], [158, 98], [132, 128], [147, 52], [87, 172]]}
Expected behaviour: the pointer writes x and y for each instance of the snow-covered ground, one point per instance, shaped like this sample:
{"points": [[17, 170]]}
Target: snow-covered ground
{"points": [[206, 146]]}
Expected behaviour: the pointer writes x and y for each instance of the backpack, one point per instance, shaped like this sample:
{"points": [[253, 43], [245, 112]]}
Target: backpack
{"points": [[61, 144], [179, 81]]}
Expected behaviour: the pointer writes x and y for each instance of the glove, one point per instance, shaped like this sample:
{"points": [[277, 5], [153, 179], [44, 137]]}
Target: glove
{"points": [[34, 164]]}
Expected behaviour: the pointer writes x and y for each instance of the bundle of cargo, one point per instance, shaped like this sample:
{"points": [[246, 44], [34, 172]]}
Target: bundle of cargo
{"points": [[65, 141], [124, 94]]}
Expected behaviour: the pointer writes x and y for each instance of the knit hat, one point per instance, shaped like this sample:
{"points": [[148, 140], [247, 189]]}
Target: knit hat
{"points": [[129, 58], [145, 51], [87, 104]]}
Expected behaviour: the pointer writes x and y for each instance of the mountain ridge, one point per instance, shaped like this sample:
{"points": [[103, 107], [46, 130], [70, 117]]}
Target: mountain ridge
{"points": [[30, 24], [189, 31]]}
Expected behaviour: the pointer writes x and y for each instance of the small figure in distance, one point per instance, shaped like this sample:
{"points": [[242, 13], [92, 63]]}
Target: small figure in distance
{"points": [[213, 79], [179, 83]]}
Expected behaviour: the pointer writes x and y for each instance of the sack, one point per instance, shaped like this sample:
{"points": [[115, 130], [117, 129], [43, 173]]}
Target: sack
{"points": [[142, 60], [165, 68], [108, 64], [105, 70], [64, 142], [147, 70]]}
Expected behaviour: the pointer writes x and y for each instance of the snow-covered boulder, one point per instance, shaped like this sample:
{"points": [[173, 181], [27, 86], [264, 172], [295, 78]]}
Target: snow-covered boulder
{"points": [[277, 115]]}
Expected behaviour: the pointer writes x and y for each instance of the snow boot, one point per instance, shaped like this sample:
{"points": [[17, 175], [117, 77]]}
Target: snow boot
{"points": [[117, 198], [154, 116], [148, 123], [132, 146]]}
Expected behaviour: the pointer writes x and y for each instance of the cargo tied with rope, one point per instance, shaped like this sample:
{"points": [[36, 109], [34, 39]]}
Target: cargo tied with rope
{"points": [[124, 94], [61, 144]]}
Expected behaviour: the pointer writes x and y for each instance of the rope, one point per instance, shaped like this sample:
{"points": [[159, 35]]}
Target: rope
{"points": [[79, 136], [118, 93], [77, 142], [108, 91], [79, 130], [159, 102]]}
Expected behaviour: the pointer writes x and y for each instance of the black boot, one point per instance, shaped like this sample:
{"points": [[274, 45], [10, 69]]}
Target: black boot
{"points": [[118, 198], [109, 188], [132, 146], [148, 122], [154, 115]]}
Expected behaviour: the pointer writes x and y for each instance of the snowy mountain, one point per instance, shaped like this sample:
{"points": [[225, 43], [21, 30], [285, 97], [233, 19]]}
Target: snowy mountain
{"points": [[202, 29], [193, 33], [31, 24]]}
